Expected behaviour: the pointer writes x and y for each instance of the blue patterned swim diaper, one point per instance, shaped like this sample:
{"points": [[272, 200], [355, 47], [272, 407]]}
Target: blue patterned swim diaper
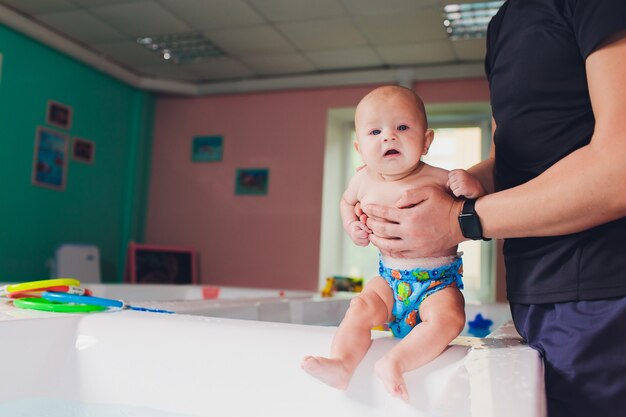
{"points": [[411, 287]]}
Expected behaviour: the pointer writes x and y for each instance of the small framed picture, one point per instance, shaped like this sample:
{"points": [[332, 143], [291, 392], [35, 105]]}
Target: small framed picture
{"points": [[50, 159], [207, 148], [83, 150], [59, 115], [252, 181]]}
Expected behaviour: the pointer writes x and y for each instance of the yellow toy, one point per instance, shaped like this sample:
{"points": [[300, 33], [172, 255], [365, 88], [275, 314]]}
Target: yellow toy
{"points": [[329, 289]]}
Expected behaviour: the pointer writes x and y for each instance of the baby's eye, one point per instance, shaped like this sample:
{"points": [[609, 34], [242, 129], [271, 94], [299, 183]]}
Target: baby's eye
{"points": [[375, 132], [403, 127]]}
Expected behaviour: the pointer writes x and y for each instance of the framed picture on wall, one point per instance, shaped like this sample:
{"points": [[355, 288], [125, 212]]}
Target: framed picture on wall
{"points": [[156, 264], [207, 148], [50, 159], [83, 150], [59, 115], [252, 181]]}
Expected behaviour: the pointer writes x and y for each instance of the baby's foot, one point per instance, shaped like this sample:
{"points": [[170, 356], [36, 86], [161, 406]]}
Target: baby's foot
{"points": [[389, 373], [329, 371]]}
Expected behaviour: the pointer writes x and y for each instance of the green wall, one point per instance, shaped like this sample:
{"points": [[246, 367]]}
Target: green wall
{"points": [[103, 203]]}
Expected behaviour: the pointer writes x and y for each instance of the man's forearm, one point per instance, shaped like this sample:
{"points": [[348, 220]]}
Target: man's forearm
{"points": [[581, 191], [483, 171]]}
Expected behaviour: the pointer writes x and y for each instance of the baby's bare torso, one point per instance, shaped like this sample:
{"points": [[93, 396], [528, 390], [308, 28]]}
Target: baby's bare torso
{"points": [[372, 189]]}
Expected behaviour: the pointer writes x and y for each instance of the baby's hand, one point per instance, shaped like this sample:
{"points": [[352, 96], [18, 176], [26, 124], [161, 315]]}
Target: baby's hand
{"points": [[462, 183], [359, 233]]}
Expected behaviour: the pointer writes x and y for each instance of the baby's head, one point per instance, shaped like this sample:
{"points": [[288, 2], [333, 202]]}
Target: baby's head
{"points": [[391, 130]]}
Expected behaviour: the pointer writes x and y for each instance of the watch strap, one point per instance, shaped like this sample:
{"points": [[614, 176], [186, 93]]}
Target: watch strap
{"points": [[470, 222]]}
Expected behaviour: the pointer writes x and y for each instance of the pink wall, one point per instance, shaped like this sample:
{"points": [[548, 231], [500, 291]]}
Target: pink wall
{"points": [[255, 241]]}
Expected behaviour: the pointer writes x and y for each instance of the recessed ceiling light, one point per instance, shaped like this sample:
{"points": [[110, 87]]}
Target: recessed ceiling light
{"points": [[182, 48], [469, 20]]}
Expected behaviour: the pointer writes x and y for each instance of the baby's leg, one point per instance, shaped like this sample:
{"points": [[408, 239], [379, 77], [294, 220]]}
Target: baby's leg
{"points": [[353, 338], [443, 319]]}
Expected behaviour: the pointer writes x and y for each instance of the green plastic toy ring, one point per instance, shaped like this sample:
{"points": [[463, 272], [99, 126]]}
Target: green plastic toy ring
{"points": [[45, 305]]}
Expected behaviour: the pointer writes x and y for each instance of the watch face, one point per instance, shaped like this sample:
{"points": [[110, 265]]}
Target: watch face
{"points": [[470, 226]]}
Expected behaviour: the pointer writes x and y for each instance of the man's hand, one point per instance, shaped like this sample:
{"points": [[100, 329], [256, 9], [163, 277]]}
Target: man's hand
{"points": [[359, 213], [423, 223]]}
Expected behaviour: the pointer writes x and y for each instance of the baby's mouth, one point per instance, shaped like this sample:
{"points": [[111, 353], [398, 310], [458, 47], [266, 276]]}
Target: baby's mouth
{"points": [[391, 152]]}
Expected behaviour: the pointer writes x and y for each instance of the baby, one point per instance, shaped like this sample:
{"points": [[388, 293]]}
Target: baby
{"points": [[419, 299]]}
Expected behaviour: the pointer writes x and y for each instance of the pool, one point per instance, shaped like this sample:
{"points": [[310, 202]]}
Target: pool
{"points": [[156, 365]]}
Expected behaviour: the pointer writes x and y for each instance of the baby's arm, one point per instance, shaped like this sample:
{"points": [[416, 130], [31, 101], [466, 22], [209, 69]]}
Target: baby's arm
{"points": [[462, 183], [356, 229]]}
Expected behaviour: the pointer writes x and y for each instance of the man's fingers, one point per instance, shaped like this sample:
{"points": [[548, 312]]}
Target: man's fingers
{"points": [[381, 212], [364, 229], [382, 228], [385, 245], [414, 197], [357, 209]]}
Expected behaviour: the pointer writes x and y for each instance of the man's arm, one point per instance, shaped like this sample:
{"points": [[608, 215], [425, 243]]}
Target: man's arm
{"points": [[581, 191], [587, 187], [483, 171]]}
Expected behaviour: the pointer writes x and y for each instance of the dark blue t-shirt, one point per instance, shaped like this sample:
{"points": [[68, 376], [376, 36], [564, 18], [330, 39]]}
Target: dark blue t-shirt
{"points": [[535, 63]]}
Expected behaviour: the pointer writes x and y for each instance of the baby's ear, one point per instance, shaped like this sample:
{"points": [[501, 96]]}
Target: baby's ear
{"points": [[429, 135]]}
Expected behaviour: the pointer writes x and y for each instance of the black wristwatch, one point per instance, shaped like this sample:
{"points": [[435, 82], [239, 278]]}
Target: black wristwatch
{"points": [[469, 221]]}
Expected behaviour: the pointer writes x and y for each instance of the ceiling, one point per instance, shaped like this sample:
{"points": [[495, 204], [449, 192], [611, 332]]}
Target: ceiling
{"points": [[262, 38]]}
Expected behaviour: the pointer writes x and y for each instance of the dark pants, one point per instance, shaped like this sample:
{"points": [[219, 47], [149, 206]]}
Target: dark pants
{"points": [[583, 345]]}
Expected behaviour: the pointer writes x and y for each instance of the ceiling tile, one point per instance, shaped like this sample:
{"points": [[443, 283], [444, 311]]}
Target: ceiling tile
{"points": [[363, 57], [278, 64], [82, 26], [168, 70], [425, 25], [323, 34], [417, 54], [92, 3], [257, 40], [221, 68], [470, 49], [444, 2], [369, 7], [203, 14], [39, 6], [288, 10], [130, 53], [141, 19]]}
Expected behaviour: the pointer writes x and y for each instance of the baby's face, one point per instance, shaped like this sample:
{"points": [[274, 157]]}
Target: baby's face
{"points": [[391, 136]]}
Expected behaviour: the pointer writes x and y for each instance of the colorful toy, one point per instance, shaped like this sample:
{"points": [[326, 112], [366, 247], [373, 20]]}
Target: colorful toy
{"points": [[38, 285], [328, 290], [96, 301], [45, 305], [70, 289], [342, 283], [62, 295], [479, 327]]}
